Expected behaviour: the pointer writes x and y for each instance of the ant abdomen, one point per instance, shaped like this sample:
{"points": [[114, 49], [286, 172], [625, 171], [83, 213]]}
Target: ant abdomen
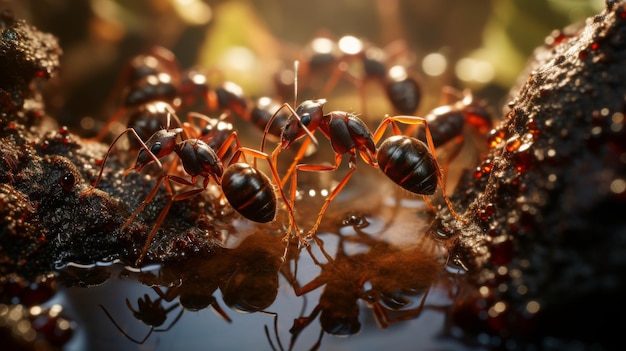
{"points": [[408, 162], [403, 91], [446, 123], [249, 192]]}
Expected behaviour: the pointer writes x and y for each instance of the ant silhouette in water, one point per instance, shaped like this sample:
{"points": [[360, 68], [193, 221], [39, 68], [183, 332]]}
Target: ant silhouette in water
{"points": [[154, 314], [249, 191], [151, 313], [372, 276], [405, 160]]}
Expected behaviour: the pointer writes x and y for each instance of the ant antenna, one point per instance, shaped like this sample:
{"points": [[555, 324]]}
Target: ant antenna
{"points": [[296, 67]]}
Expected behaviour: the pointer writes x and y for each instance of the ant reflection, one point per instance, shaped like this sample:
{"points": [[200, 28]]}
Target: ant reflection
{"points": [[151, 313], [374, 275], [247, 276], [193, 283], [363, 271], [252, 283]]}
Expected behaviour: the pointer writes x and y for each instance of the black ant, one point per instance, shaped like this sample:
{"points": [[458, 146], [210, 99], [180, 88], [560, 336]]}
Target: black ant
{"points": [[153, 85], [249, 191], [338, 56], [407, 161], [154, 314], [198, 95], [447, 122], [148, 85]]}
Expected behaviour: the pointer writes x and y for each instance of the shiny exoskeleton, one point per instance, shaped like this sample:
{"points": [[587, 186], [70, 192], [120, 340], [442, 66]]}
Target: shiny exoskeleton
{"points": [[199, 96], [147, 86], [324, 54], [153, 85], [448, 122], [263, 109], [248, 190], [407, 161]]}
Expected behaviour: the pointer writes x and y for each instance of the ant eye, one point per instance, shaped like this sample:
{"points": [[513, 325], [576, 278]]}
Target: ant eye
{"points": [[156, 148], [306, 119]]}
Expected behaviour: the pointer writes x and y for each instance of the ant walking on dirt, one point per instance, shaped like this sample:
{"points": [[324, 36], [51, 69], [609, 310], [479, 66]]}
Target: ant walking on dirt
{"points": [[249, 191]]}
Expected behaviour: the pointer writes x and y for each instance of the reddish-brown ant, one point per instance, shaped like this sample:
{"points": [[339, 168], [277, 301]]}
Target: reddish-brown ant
{"points": [[152, 80], [407, 161], [447, 122], [148, 83], [198, 95], [248, 190], [338, 56]]}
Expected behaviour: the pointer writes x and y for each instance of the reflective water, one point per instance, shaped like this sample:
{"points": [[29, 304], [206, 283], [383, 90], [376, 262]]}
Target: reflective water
{"points": [[375, 278]]}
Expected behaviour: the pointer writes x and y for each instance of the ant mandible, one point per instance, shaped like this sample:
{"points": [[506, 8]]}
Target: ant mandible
{"points": [[248, 190], [405, 160]]}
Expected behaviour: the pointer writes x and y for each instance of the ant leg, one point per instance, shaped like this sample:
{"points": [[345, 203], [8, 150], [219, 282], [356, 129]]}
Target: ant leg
{"points": [[180, 314], [296, 159], [380, 131], [143, 145], [232, 138], [333, 194], [219, 311], [339, 71], [205, 119], [449, 95], [293, 112], [143, 204], [122, 330], [165, 210], [267, 332], [106, 129]]}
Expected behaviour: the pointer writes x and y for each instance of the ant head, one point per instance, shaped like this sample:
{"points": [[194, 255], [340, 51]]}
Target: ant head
{"points": [[160, 144], [309, 114]]}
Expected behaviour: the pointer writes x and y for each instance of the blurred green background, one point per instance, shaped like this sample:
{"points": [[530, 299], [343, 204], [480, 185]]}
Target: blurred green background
{"points": [[478, 44]]}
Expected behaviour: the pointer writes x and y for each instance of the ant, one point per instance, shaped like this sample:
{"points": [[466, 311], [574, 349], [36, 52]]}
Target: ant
{"points": [[407, 161], [154, 79], [151, 313], [149, 83], [447, 122], [249, 191], [154, 314], [344, 278], [198, 95], [339, 56]]}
